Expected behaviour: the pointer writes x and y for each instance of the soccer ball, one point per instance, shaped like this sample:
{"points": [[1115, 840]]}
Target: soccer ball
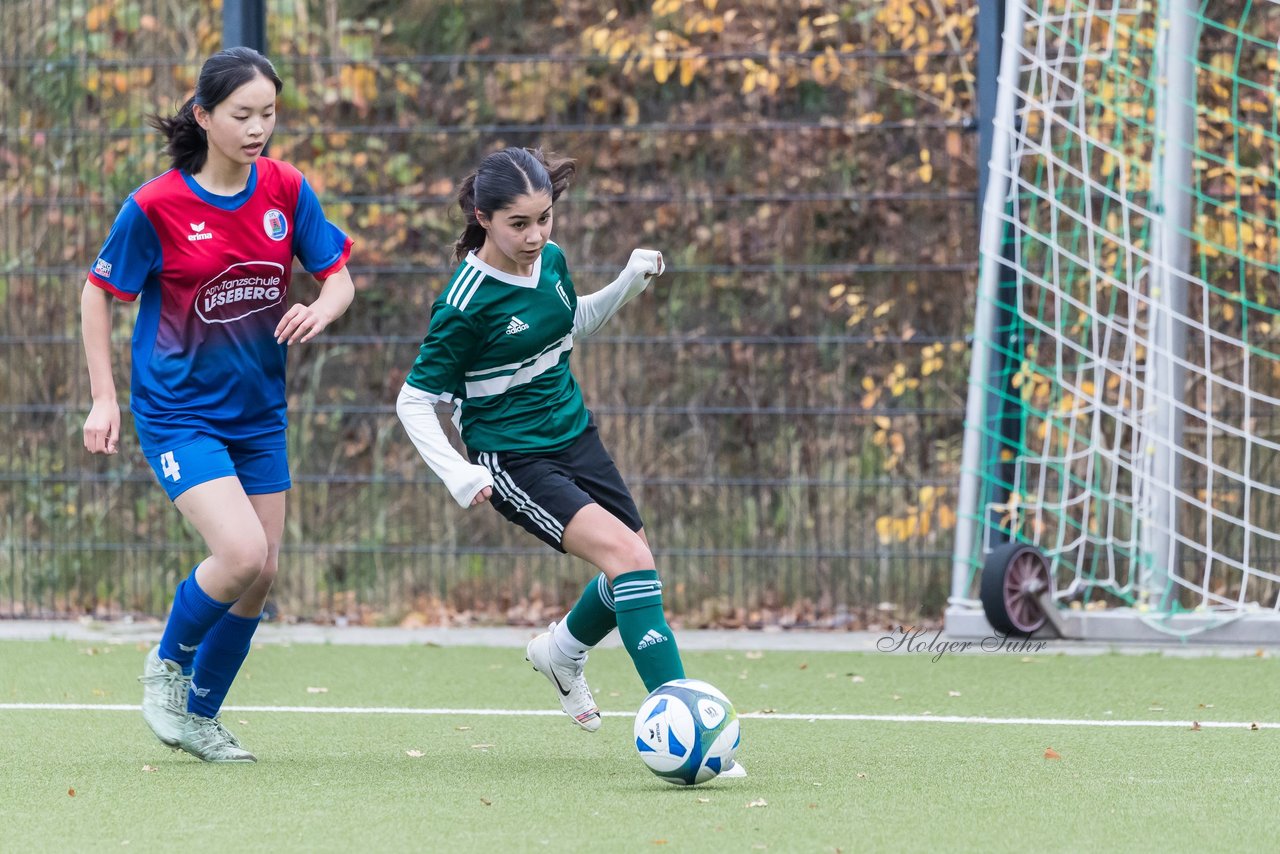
{"points": [[687, 732]]}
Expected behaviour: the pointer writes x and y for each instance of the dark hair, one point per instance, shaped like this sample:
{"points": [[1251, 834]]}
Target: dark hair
{"points": [[221, 74], [499, 179]]}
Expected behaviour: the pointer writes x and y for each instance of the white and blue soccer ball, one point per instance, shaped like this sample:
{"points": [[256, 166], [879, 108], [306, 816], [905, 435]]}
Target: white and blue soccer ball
{"points": [[687, 732]]}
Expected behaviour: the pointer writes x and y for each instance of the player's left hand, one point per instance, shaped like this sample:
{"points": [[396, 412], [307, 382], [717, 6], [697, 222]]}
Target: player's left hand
{"points": [[301, 323]]}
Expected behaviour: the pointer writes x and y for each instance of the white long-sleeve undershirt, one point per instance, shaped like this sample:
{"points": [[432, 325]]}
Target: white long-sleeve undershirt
{"points": [[417, 411], [595, 309]]}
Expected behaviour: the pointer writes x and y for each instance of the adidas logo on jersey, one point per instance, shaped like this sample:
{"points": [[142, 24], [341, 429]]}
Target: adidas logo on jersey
{"points": [[516, 325], [650, 638], [198, 232]]}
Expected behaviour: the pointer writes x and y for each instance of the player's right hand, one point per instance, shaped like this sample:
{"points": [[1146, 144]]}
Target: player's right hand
{"points": [[102, 428]]}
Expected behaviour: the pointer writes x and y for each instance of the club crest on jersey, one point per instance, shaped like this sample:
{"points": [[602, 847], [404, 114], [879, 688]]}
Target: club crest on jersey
{"points": [[240, 290], [275, 225], [198, 232]]}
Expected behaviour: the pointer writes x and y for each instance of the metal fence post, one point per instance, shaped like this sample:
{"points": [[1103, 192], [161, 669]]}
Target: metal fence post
{"points": [[244, 24]]}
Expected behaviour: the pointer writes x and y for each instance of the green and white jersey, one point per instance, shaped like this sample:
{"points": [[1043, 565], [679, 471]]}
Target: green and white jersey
{"points": [[499, 345]]}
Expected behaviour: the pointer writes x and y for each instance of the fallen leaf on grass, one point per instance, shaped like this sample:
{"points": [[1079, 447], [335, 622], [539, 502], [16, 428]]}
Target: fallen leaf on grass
{"points": [[481, 746], [1254, 726], [71, 792], [243, 723], [486, 802], [150, 768], [857, 680], [1050, 753], [657, 842], [462, 728], [804, 665], [1206, 705], [704, 800], [861, 776], [1195, 726], [758, 802], [953, 693], [754, 655], [317, 690], [414, 753]]}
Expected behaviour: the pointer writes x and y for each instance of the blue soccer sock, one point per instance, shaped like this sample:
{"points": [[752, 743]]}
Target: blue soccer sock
{"points": [[194, 612], [218, 661]]}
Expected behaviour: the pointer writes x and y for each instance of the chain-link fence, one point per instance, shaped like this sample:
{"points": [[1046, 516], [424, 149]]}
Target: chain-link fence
{"points": [[785, 402]]}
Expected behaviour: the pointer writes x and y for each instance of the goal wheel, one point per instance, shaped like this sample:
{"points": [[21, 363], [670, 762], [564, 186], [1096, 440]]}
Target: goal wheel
{"points": [[1013, 577]]}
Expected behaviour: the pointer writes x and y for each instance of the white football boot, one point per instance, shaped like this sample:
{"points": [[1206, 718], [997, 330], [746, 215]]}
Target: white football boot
{"points": [[568, 677], [164, 697], [207, 739]]}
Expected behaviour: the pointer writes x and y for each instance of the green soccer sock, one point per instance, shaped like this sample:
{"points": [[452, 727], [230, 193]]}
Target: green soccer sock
{"points": [[637, 599], [591, 619]]}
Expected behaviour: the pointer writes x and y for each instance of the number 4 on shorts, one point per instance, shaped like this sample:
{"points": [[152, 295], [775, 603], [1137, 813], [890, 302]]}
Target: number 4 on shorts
{"points": [[169, 467]]}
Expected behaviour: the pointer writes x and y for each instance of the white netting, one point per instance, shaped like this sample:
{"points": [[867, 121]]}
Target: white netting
{"points": [[1130, 421]]}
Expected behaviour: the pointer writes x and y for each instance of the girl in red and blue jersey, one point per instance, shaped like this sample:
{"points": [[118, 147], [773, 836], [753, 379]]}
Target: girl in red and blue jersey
{"points": [[207, 250]]}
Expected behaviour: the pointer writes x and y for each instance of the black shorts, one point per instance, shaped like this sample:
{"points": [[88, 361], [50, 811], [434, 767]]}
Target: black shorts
{"points": [[542, 492]]}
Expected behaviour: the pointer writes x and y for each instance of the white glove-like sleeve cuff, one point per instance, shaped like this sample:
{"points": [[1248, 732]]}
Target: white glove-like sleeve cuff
{"points": [[417, 411], [594, 310]]}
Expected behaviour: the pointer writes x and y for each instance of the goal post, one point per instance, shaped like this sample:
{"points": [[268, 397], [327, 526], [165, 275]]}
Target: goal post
{"points": [[1121, 457]]}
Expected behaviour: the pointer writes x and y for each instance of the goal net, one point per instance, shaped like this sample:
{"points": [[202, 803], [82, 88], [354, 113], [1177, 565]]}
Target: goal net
{"points": [[1125, 383]]}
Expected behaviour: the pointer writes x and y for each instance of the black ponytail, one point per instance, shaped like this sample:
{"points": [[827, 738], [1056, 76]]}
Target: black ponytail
{"points": [[501, 177], [223, 73], [187, 145]]}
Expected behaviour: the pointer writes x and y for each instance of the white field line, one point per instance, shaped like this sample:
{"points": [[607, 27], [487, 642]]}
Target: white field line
{"points": [[757, 716]]}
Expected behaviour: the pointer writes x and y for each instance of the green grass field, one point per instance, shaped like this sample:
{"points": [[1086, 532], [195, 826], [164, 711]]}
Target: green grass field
{"points": [[336, 774]]}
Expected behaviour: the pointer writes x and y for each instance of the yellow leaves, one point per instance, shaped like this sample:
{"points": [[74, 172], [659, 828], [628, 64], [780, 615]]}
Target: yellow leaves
{"points": [[930, 513], [759, 76], [931, 360], [358, 84], [926, 167], [662, 67], [689, 66], [826, 67], [97, 17]]}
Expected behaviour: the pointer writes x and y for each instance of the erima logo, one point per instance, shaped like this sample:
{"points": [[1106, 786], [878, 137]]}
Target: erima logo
{"points": [[516, 325], [185, 648], [198, 232], [650, 638], [199, 692]]}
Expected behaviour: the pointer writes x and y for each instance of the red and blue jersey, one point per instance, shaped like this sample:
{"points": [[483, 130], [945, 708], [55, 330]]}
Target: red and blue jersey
{"points": [[213, 276]]}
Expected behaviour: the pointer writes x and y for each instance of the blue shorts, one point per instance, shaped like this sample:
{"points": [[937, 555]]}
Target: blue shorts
{"points": [[261, 464]]}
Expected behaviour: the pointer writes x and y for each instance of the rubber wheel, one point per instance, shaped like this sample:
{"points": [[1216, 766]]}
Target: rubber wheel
{"points": [[1012, 577]]}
